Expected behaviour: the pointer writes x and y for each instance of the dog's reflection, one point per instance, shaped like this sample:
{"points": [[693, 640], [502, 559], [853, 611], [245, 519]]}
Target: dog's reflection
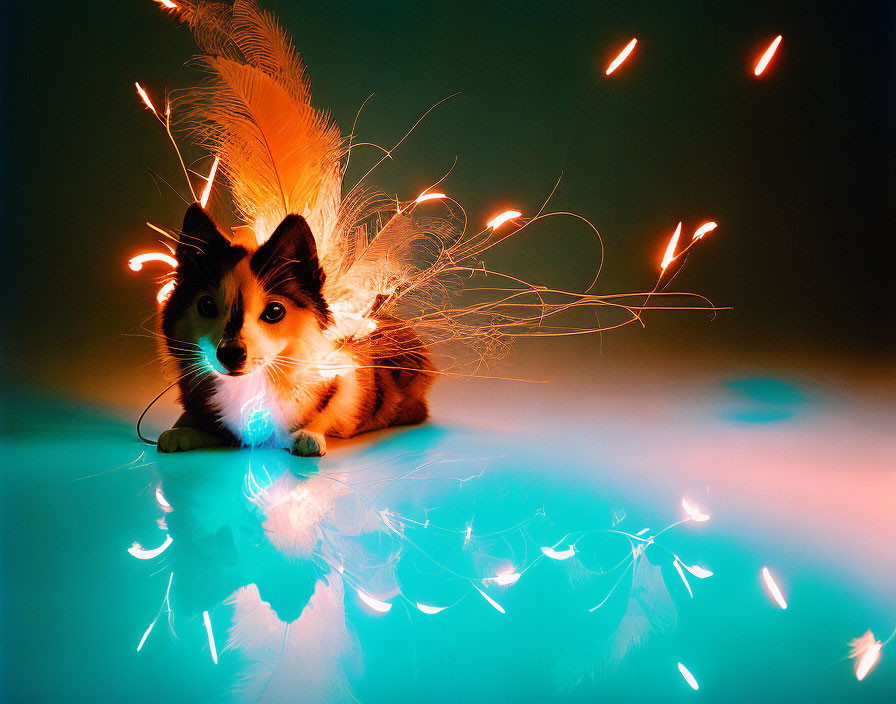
{"points": [[278, 549]]}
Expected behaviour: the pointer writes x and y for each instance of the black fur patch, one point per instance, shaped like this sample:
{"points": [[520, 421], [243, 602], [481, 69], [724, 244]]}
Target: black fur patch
{"points": [[235, 321], [327, 396], [204, 255], [287, 265]]}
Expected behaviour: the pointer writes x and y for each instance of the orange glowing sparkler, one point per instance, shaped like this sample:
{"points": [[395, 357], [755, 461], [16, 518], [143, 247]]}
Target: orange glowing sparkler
{"points": [[145, 98], [423, 197], [669, 256], [207, 191], [704, 229], [763, 62], [167, 4], [499, 220], [865, 650], [165, 292], [772, 587], [136, 263], [622, 56]]}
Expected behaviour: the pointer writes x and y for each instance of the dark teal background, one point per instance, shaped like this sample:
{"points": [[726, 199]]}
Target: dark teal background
{"points": [[796, 167]]}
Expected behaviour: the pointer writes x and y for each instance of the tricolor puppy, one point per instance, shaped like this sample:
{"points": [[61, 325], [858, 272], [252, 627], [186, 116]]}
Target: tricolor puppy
{"points": [[258, 362]]}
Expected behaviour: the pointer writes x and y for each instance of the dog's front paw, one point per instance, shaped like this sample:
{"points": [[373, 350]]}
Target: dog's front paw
{"points": [[185, 439], [309, 444]]}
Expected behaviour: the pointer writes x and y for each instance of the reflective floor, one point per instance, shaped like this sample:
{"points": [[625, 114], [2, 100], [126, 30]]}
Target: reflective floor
{"points": [[527, 544]]}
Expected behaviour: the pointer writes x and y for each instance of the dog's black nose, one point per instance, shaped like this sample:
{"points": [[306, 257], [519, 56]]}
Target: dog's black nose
{"points": [[232, 355]]}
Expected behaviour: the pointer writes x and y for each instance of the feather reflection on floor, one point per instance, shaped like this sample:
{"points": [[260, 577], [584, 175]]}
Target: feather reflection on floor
{"points": [[595, 540]]}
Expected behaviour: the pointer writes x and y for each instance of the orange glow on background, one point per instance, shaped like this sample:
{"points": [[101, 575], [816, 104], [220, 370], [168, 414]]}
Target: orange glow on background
{"points": [[763, 62], [621, 56]]}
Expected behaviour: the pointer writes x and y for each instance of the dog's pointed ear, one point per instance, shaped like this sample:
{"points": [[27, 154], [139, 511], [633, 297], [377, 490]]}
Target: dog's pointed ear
{"points": [[292, 243], [199, 235], [288, 261]]}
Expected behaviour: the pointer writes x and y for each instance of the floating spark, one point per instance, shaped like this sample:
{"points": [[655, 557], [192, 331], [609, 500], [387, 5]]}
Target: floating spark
{"points": [[162, 501], [146, 635], [145, 98], [865, 650], [694, 513], [505, 579], [375, 604], [773, 588], [151, 625], [499, 220], [621, 56], [684, 579], [559, 554], [491, 601], [136, 263], [167, 4], [670, 249], [688, 677], [165, 292], [207, 191], [140, 553], [429, 196], [468, 533], [430, 609], [211, 636], [767, 56], [696, 570], [704, 229]]}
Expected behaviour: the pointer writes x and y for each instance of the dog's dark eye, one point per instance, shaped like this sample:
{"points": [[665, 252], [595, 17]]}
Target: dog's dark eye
{"points": [[273, 313], [207, 307]]}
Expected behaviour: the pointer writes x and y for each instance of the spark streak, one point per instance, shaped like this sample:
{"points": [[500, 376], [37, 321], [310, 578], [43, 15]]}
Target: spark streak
{"points": [[688, 677], [773, 588], [146, 635], [684, 579], [167, 4], [430, 609], [621, 56], [694, 513], [211, 636], [499, 220], [767, 56], [141, 553], [696, 570], [559, 554], [503, 580], [670, 249], [165, 292], [704, 229], [375, 604], [145, 98], [136, 263], [491, 601], [866, 651], [423, 197], [207, 191], [162, 501]]}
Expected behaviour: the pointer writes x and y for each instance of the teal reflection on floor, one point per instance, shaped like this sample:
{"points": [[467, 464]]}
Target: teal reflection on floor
{"points": [[443, 563]]}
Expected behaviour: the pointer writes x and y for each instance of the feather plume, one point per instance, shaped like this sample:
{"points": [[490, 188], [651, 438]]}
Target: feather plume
{"points": [[253, 111]]}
